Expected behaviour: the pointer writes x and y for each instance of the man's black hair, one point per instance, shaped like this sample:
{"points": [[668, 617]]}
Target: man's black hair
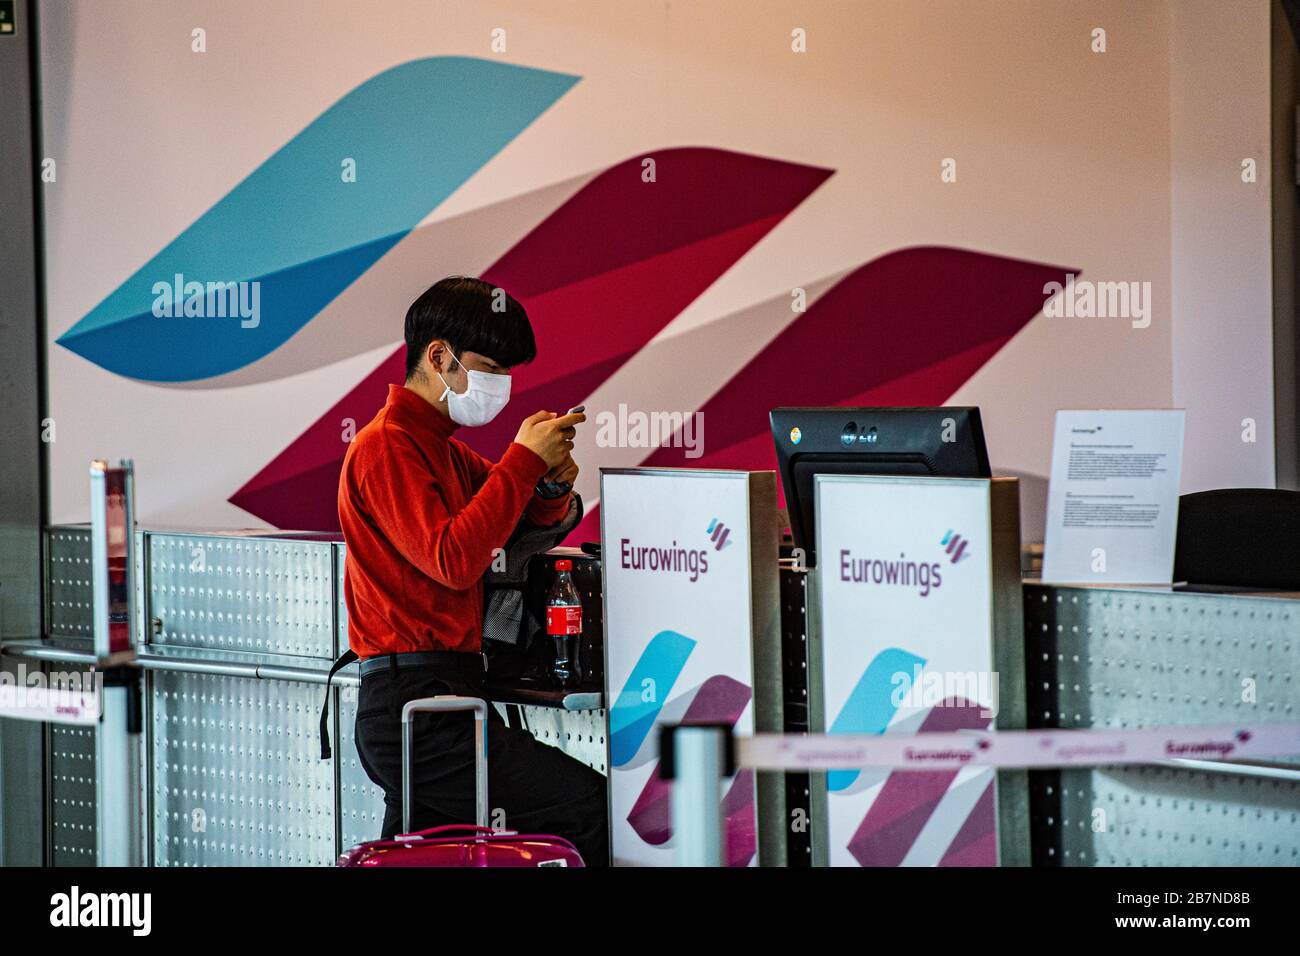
{"points": [[473, 316]]}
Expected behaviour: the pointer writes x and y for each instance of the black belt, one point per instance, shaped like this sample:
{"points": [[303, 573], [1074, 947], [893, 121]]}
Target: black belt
{"points": [[460, 660]]}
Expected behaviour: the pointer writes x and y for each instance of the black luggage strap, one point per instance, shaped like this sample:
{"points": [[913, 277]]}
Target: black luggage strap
{"points": [[346, 658]]}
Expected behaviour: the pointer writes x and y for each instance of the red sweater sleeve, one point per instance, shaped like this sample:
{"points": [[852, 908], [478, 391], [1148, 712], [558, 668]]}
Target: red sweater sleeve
{"points": [[541, 512], [544, 512], [403, 497]]}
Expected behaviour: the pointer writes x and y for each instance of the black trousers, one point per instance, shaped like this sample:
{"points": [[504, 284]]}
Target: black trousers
{"points": [[532, 787]]}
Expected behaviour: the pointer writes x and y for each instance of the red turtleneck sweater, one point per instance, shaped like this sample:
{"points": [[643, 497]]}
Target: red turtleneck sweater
{"points": [[422, 514]]}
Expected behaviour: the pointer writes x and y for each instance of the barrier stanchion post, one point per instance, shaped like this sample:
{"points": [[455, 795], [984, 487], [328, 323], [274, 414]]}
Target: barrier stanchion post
{"points": [[118, 796], [696, 759]]}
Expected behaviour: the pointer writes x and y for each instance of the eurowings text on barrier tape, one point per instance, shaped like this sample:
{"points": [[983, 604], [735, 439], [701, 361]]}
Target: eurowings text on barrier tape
{"points": [[1016, 748]]}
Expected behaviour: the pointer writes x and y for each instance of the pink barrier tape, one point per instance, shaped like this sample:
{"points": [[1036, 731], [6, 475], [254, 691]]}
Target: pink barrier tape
{"points": [[1016, 748], [57, 707]]}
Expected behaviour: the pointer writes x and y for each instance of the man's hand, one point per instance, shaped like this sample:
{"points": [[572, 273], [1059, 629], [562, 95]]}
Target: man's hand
{"points": [[565, 471], [549, 435]]}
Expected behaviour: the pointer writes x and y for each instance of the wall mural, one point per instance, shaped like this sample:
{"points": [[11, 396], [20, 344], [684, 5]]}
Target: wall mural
{"points": [[600, 276]]}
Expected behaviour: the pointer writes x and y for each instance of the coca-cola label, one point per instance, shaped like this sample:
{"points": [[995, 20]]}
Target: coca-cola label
{"points": [[564, 620]]}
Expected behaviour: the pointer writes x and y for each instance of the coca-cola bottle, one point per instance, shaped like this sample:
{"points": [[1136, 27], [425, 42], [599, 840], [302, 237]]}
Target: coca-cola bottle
{"points": [[564, 623]]}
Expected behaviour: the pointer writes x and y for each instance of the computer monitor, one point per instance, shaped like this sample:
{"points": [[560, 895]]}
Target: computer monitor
{"points": [[945, 441]]}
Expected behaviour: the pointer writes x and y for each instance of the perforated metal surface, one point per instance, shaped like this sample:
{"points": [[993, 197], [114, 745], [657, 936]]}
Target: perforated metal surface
{"points": [[339, 558], [237, 774], [1126, 658], [361, 803], [72, 795], [1164, 816], [794, 648], [243, 594], [579, 733], [67, 582], [1143, 659], [794, 685], [233, 769]]}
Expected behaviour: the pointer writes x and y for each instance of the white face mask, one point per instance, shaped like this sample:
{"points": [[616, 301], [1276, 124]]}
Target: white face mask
{"points": [[482, 400]]}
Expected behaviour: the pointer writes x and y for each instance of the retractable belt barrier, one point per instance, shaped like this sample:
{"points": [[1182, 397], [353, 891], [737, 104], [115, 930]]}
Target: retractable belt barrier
{"points": [[1010, 749], [697, 757], [55, 706]]}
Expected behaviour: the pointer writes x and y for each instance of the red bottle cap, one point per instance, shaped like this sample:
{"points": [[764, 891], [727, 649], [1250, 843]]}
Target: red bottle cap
{"points": [[564, 564]]}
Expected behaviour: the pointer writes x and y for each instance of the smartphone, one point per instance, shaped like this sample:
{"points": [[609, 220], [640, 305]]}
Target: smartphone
{"points": [[554, 489]]}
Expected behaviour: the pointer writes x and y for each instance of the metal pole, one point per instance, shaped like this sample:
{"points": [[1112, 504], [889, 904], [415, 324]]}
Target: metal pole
{"points": [[118, 807], [699, 764], [118, 796]]}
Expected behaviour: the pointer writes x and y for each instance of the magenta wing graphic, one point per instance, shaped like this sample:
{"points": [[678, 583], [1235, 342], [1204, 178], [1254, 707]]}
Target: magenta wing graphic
{"points": [[599, 277], [719, 700]]}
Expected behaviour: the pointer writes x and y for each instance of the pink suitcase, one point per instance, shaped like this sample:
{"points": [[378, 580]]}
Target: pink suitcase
{"points": [[458, 845]]}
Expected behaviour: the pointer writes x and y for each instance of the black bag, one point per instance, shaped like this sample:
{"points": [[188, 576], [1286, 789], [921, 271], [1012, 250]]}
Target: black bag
{"points": [[511, 595]]}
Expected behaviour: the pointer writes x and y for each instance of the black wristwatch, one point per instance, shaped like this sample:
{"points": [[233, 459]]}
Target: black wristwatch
{"points": [[553, 489]]}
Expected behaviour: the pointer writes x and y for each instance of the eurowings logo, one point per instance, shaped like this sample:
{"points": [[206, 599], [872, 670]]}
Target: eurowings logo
{"points": [[719, 534], [916, 817], [955, 546], [312, 223], [651, 690], [318, 213]]}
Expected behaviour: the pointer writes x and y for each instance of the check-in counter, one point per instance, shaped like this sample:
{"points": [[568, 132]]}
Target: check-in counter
{"points": [[238, 632], [691, 636], [1120, 657], [916, 611], [237, 654]]}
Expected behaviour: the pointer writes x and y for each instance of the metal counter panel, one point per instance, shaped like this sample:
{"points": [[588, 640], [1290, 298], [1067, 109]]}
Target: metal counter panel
{"points": [[71, 790], [339, 559], [236, 774], [1144, 659], [232, 721], [242, 594], [1106, 657], [794, 685], [579, 733], [67, 582], [361, 803], [1166, 816], [70, 782]]}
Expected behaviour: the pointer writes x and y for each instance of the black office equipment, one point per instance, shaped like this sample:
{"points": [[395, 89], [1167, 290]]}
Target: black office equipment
{"points": [[943, 441], [1239, 538]]}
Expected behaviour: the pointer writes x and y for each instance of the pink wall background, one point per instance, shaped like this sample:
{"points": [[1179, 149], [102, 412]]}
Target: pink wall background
{"points": [[1122, 165]]}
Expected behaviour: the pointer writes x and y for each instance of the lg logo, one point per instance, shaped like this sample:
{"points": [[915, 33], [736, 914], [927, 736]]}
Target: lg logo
{"points": [[852, 435]]}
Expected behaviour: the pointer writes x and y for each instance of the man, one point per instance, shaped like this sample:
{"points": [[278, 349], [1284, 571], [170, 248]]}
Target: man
{"points": [[422, 516]]}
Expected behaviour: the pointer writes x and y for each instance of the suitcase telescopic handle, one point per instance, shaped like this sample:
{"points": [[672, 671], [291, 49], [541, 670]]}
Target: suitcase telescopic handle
{"points": [[447, 704]]}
